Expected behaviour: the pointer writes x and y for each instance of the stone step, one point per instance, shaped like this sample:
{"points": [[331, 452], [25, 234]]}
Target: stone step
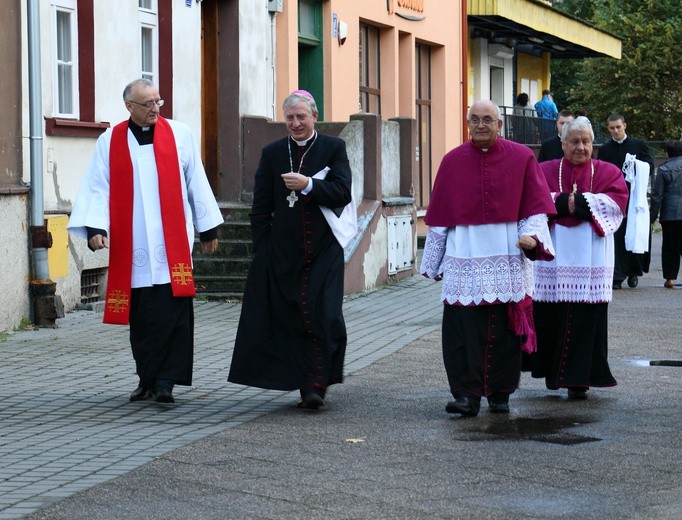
{"points": [[227, 247], [234, 211], [233, 284], [234, 230], [222, 275], [221, 266]]}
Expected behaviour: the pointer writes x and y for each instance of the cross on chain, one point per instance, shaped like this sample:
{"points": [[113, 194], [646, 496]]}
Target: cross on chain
{"points": [[292, 198], [181, 275], [117, 301]]}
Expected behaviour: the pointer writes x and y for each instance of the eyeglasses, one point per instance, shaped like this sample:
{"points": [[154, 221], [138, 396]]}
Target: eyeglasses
{"points": [[149, 104], [488, 121]]}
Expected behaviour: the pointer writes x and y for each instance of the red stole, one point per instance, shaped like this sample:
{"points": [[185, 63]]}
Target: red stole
{"points": [[117, 301]]}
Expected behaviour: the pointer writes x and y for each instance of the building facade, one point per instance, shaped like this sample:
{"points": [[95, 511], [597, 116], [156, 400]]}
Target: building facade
{"points": [[394, 78]]}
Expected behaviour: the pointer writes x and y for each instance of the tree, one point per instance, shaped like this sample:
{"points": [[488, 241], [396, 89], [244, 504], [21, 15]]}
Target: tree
{"points": [[644, 85]]}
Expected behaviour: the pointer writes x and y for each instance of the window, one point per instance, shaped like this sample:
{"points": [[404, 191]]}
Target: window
{"points": [[65, 59], [370, 93], [423, 91], [149, 40]]}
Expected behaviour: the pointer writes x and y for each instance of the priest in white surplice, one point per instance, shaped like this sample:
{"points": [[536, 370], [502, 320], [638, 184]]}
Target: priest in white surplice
{"points": [[143, 194]]}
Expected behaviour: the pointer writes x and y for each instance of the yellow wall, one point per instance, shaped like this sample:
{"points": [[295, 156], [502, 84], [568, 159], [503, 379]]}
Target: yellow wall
{"points": [[57, 255]]}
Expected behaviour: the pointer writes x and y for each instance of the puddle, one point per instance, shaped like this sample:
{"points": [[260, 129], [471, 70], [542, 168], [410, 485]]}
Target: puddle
{"points": [[541, 429]]}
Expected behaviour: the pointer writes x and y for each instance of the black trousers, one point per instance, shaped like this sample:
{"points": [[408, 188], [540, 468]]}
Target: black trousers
{"points": [[626, 263], [482, 356], [671, 249], [162, 335]]}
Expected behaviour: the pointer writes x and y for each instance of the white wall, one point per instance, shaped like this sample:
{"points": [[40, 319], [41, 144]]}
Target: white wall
{"points": [[256, 67], [187, 65], [65, 159], [14, 261]]}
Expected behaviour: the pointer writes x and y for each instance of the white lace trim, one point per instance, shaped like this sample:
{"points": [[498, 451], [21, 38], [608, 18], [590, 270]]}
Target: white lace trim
{"points": [[536, 226], [482, 264], [582, 271], [605, 211]]}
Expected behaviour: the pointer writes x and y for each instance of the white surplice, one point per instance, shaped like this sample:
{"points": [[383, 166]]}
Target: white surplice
{"points": [[583, 270], [91, 206], [637, 227], [481, 264]]}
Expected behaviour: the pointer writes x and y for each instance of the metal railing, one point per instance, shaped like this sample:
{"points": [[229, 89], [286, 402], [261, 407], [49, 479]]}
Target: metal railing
{"points": [[523, 126]]}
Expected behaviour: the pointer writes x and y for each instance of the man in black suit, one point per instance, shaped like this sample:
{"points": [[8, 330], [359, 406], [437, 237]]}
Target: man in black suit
{"points": [[551, 148], [627, 264]]}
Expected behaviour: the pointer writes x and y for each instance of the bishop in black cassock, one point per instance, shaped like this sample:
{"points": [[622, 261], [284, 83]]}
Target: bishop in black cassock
{"points": [[291, 332]]}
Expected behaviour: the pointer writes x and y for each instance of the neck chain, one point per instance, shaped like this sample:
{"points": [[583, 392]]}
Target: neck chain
{"points": [[300, 164], [292, 198], [575, 183]]}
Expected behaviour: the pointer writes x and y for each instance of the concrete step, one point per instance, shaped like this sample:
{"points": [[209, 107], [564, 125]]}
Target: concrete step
{"points": [[222, 276]]}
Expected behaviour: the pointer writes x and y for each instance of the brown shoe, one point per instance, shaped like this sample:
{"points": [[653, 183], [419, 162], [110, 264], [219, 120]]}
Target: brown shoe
{"points": [[669, 284]]}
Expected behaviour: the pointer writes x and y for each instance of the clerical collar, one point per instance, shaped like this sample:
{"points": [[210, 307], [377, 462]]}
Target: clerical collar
{"points": [[143, 134], [620, 141], [305, 141]]}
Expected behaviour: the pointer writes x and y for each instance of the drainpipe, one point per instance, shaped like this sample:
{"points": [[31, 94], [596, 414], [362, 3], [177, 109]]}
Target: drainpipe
{"points": [[46, 305]]}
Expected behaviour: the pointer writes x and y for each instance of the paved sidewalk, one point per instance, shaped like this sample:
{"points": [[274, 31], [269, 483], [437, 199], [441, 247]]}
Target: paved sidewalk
{"points": [[73, 447], [65, 420]]}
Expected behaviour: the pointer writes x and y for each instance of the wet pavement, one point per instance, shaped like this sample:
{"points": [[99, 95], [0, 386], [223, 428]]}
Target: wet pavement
{"points": [[73, 447]]}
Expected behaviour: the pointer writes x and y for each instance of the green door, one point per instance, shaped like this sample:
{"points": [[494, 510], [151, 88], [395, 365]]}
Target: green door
{"points": [[310, 56]]}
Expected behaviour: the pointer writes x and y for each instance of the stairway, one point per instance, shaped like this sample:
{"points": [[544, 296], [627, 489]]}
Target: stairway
{"points": [[222, 275]]}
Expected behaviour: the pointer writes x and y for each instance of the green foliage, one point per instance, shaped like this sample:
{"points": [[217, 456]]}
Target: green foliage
{"points": [[644, 85], [24, 324]]}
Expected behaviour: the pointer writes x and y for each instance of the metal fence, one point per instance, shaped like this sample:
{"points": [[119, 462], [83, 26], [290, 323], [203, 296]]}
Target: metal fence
{"points": [[523, 126]]}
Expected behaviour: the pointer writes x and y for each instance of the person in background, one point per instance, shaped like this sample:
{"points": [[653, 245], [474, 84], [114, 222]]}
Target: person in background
{"points": [[552, 148], [143, 194], [291, 333], [666, 205], [487, 220], [627, 265], [572, 291], [523, 125], [547, 112]]}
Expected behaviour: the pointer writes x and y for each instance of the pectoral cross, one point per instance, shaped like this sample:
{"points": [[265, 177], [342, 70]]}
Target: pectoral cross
{"points": [[292, 198], [575, 188]]}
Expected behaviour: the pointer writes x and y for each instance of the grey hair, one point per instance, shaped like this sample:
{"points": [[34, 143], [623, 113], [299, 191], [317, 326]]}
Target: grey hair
{"points": [[580, 124], [130, 86], [486, 101], [296, 98]]}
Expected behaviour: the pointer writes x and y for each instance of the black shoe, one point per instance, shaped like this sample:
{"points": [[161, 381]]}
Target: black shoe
{"points": [[633, 281], [498, 403], [617, 285], [163, 395], [578, 394], [311, 401], [141, 394], [463, 405]]}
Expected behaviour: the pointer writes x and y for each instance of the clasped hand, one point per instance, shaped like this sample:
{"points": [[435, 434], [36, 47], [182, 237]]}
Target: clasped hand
{"points": [[527, 242]]}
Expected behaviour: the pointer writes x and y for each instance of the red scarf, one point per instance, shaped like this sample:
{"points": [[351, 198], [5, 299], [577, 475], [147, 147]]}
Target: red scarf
{"points": [[117, 301]]}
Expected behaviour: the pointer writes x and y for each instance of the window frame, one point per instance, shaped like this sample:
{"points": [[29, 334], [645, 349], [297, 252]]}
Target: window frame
{"points": [[369, 94], [149, 21], [71, 8]]}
